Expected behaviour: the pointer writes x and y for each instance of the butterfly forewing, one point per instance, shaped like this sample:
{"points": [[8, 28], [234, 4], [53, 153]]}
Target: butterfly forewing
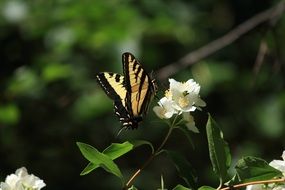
{"points": [[113, 85], [138, 83]]}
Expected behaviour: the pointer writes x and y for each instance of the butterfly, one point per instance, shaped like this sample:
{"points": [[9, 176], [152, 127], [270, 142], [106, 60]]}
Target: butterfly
{"points": [[131, 92]]}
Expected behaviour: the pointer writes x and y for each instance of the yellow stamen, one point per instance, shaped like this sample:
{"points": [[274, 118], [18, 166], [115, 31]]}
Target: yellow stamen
{"points": [[183, 102], [168, 94]]}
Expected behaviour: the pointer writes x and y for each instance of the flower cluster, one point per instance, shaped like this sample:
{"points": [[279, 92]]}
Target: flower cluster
{"points": [[21, 180], [277, 164], [180, 98]]}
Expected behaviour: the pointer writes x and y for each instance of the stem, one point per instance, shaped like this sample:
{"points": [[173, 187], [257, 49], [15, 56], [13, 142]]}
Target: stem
{"points": [[164, 141], [254, 183], [152, 155]]}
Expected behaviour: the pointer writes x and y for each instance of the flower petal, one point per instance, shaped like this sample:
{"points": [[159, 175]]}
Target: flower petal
{"points": [[166, 109], [22, 180], [190, 122]]}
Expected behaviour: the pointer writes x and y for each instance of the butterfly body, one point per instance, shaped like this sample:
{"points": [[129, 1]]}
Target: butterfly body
{"points": [[131, 92]]}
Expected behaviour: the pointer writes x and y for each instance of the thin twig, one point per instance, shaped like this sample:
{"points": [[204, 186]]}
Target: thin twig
{"points": [[254, 183], [151, 157], [263, 50], [271, 15]]}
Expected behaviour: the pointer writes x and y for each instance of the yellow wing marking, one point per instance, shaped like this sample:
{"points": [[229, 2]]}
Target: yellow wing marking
{"points": [[139, 82], [116, 82]]}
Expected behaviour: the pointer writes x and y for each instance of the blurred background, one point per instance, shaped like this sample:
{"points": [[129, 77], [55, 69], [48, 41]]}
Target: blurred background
{"points": [[49, 99]]}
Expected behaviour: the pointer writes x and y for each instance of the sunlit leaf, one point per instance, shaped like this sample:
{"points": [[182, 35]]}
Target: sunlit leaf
{"points": [[89, 168], [116, 150], [96, 157]]}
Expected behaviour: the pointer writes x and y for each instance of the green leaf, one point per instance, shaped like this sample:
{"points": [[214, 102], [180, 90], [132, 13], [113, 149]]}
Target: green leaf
{"points": [[184, 168], [218, 150], [206, 188], [137, 143], [180, 187], [114, 151], [89, 168], [98, 158], [254, 169]]}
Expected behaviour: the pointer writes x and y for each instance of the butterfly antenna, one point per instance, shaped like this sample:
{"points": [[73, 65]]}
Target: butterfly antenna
{"points": [[119, 132]]}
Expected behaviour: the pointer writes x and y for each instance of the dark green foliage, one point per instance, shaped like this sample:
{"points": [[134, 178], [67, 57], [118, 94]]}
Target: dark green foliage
{"points": [[186, 171], [218, 150], [254, 169], [49, 98]]}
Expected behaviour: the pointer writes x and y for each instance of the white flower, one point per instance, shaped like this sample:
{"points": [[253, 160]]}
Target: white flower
{"points": [[279, 164], [185, 95], [255, 187], [180, 98], [279, 187], [190, 122], [21, 180], [165, 110], [265, 187]]}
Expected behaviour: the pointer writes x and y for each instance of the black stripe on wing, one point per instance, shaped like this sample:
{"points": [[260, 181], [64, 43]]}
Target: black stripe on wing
{"points": [[140, 87], [125, 61]]}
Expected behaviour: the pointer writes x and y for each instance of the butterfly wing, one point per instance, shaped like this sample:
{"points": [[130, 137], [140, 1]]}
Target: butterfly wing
{"points": [[131, 93], [113, 85], [140, 87]]}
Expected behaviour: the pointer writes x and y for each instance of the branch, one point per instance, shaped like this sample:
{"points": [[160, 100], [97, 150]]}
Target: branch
{"points": [[282, 180], [271, 15]]}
